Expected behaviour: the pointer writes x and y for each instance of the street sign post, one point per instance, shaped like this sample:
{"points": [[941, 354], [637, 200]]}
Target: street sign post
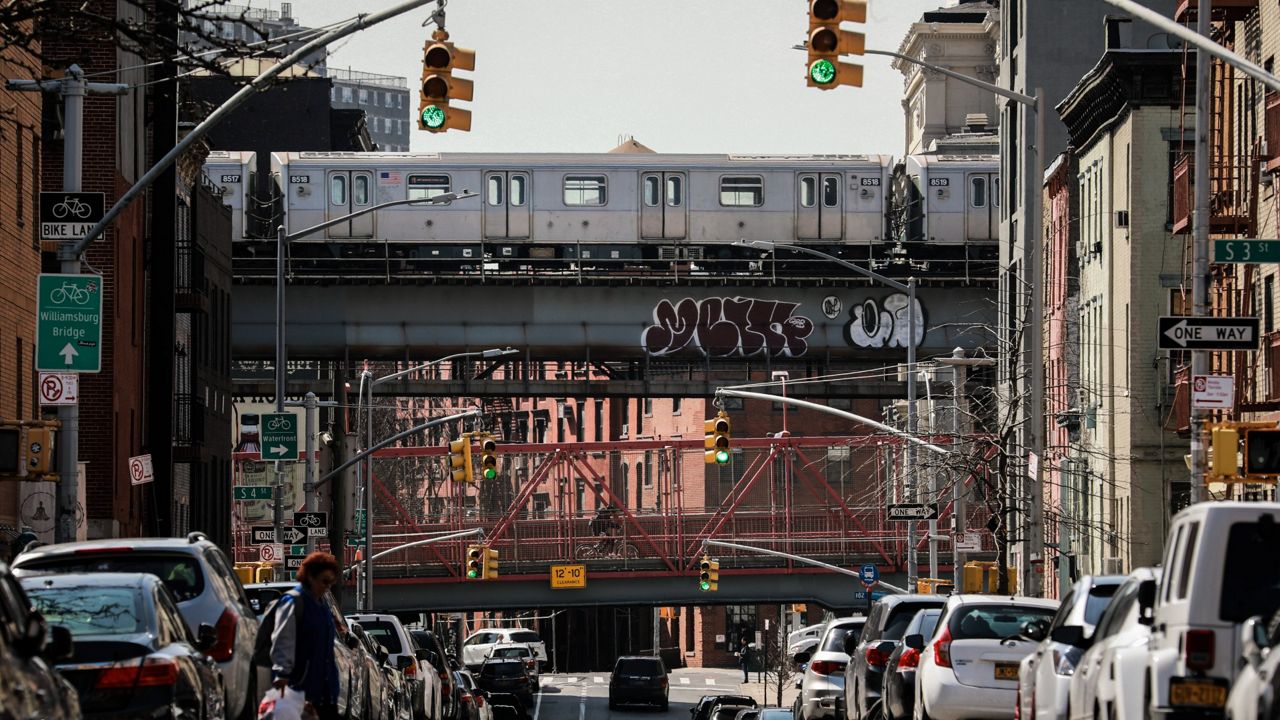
{"points": [[568, 576], [1208, 333], [140, 470], [279, 436], [70, 215], [913, 511], [260, 534], [59, 388], [1241, 250], [244, 493], [69, 323]]}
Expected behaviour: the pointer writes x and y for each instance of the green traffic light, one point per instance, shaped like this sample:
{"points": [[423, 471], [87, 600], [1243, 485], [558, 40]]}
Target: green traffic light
{"points": [[722, 457], [704, 585], [822, 71], [490, 473], [473, 574], [433, 116]]}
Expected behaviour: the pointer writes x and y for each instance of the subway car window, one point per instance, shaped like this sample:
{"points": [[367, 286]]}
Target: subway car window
{"points": [[741, 191], [584, 190], [422, 187]]}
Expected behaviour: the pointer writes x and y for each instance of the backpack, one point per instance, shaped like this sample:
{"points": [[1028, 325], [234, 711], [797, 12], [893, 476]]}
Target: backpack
{"points": [[267, 628]]}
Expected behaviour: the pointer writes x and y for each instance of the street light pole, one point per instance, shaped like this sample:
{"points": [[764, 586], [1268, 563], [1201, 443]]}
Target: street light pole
{"points": [[959, 511], [909, 288]]}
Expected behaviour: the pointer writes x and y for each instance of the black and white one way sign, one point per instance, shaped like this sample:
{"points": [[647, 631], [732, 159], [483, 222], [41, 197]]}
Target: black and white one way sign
{"points": [[1208, 333]]}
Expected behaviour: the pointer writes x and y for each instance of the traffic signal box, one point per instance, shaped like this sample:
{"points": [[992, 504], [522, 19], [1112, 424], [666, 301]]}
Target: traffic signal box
{"points": [[460, 459], [827, 42], [984, 577], [490, 564], [441, 88], [709, 574], [488, 458], [27, 450], [475, 562], [716, 441], [1261, 445]]}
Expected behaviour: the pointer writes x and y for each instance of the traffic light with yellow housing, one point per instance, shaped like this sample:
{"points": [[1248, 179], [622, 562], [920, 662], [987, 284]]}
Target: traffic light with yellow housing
{"points": [[1261, 452], [709, 574], [26, 450], [717, 438], [460, 459], [1226, 452], [827, 42], [488, 458], [441, 88], [490, 564], [39, 451], [475, 562]]}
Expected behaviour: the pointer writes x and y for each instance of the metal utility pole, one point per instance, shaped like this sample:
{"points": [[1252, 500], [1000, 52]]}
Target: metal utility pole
{"points": [[959, 507], [72, 88], [1200, 249]]}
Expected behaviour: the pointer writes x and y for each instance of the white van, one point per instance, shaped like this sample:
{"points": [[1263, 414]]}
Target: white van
{"points": [[1220, 569]]}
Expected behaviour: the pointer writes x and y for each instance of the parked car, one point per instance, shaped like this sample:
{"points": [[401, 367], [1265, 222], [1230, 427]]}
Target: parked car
{"points": [[1109, 675], [348, 655], [702, 710], [133, 655], [506, 677], [29, 686], [520, 652], [424, 681], [748, 714], [1216, 577], [728, 712], [805, 638], [202, 582], [777, 714], [969, 668], [823, 681], [1256, 692], [639, 679], [479, 643], [869, 652], [471, 701], [441, 661], [1044, 676], [379, 704], [898, 691], [506, 706]]}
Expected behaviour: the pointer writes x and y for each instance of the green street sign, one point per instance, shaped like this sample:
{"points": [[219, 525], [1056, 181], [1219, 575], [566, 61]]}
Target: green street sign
{"points": [[280, 436], [252, 492], [1246, 251], [360, 520], [355, 542], [69, 323], [298, 549]]}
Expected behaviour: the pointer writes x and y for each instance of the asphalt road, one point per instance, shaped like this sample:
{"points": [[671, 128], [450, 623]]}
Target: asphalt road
{"points": [[586, 696]]}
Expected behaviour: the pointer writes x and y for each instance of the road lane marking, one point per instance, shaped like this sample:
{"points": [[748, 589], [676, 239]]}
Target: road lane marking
{"points": [[711, 681], [537, 706], [684, 681], [598, 679], [582, 703]]}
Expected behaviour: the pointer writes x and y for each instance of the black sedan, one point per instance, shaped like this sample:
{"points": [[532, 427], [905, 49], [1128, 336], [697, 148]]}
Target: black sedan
{"points": [[133, 655], [507, 677], [899, 693]]}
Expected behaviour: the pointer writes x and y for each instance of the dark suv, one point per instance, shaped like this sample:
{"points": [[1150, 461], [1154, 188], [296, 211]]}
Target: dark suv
{"points": [[29, 686], [507, 677], [638, 679], [864, 674]]}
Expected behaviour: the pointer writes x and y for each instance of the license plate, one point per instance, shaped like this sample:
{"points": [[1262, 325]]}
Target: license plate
{"points": [[1202, 693], [1006, 671]]}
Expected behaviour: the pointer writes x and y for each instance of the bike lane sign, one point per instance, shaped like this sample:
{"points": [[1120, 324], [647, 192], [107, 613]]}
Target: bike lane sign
{"points": [[69, 323], [279, 436], [70, 215]]}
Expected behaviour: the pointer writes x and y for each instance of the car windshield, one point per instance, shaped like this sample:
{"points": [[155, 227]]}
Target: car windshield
{"points": [[525, 636], [511, 652], [92, 610], [638, 666], [502, 670], [385, 633], [726, 713], [180, 573], [261, 597], [994, 622], [1249, 586], [1099, 598], [834, 641], [900, 618]]}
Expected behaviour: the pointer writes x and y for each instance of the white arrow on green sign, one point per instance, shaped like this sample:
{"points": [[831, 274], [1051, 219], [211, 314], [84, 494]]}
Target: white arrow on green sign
{"points": [[279, 436], [69, 323]]}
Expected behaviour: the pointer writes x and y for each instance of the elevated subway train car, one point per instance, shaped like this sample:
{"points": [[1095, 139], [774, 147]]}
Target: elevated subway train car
{"points": [[942, 199]]}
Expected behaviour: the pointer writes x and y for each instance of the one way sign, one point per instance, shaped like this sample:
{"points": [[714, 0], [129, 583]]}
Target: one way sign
{"points": [[1208, 333]]}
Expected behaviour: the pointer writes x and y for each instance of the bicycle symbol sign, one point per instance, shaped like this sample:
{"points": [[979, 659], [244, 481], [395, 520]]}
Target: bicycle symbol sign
{"points": [[69, 323], [279, 436], [69, 215]]}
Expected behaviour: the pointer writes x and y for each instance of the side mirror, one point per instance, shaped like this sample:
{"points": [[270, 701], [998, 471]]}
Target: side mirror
{"points": [[383, 655], [802, 657], [59, 646], [799, 685], [404, 662], [1146, 602], [1254, 640], [32, 640], [206, 637], [351, 641], [1070, 635], [915, 642], [1033, 631]]}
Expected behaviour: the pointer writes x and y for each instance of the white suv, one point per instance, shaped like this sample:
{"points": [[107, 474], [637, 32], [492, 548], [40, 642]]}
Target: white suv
{"points": [[403, 653], [1216, 576], [480, 643]]}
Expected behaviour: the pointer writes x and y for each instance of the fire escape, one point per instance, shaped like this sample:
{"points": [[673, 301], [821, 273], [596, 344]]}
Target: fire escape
{"points": [[1236, 157]]}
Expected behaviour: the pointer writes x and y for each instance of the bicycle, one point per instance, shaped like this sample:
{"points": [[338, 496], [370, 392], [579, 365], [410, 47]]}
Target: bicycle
{"points": [[607, 548], [279, 423], [69, 291], [72, 206]]}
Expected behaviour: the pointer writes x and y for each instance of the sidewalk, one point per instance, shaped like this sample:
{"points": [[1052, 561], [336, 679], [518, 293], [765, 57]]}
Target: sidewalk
{"points": [[757, 690]]}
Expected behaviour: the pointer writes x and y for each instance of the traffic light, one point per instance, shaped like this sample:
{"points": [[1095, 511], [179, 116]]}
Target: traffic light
{"points": [[716, 440], [475, 562], [1226, 452], [39, 451], [709, 578], [489, 458], [11, 463], [1261, 452], [460, 459], [827, 42], [490, 564], [441, 88]]}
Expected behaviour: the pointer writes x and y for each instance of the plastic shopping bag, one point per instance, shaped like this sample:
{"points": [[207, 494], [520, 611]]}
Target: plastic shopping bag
{"points": [[276, 705]]}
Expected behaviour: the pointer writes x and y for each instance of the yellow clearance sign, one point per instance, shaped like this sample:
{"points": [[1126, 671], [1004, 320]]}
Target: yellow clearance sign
{"points": [[568, 576]]}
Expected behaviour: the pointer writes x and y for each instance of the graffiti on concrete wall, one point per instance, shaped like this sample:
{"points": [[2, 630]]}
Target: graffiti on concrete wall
{"points": [[727, 327], [884, 324]]}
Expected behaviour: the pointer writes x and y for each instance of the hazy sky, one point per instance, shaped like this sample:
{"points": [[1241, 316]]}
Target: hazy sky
{"points": [[679, 75]]}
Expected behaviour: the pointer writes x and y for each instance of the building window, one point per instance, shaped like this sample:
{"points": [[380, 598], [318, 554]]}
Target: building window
{"points": [[739, 623], [581, 190], [346, 95], [742, 191], [1268, 304], [675, 406], [399, 101], [364, 97], [648, 407], [427, 186], [599, 420]]}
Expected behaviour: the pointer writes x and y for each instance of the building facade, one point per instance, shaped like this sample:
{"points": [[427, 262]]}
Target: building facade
{"points": [[384, 100]]}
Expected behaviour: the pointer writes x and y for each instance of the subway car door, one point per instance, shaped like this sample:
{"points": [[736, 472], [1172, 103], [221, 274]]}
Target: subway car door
{"points": [[980, 208], [506, 205], [350, 191], [819, 206], [663, 210]]}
